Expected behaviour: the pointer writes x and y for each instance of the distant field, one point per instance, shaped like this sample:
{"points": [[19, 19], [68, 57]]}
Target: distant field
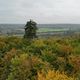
{"points": [[18, 29], [50, 29]]}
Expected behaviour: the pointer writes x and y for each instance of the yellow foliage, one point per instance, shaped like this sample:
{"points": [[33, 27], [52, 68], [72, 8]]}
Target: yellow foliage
{"points": [[2, 45], [39, 43], [53, 75]]}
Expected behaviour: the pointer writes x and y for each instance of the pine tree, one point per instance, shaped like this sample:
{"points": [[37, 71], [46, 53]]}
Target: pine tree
{"points": [[30, 29]]}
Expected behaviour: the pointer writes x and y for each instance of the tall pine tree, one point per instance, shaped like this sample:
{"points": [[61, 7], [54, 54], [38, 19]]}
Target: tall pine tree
{"points": [[30, 29]]}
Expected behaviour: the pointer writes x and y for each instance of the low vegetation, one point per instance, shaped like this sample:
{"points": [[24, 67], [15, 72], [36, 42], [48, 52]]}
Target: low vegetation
{"points": [[54, 58]]}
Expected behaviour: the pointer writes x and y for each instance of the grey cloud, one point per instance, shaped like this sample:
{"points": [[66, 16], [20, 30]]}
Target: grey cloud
{"points": [[43, 11]]}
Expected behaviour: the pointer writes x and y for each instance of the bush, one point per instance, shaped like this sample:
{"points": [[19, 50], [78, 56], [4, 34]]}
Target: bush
{"points": [[21, 59]]}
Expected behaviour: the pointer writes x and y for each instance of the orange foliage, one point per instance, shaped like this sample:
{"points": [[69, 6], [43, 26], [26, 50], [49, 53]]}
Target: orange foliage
{"points": [[53, 75], [9, 55]]}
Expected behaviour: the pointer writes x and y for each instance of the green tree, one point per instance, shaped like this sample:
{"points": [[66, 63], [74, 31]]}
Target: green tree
{"points": [[30, 30]]}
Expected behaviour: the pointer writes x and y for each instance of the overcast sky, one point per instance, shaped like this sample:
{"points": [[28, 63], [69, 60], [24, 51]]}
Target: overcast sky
{"points": [[42, 11]]}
